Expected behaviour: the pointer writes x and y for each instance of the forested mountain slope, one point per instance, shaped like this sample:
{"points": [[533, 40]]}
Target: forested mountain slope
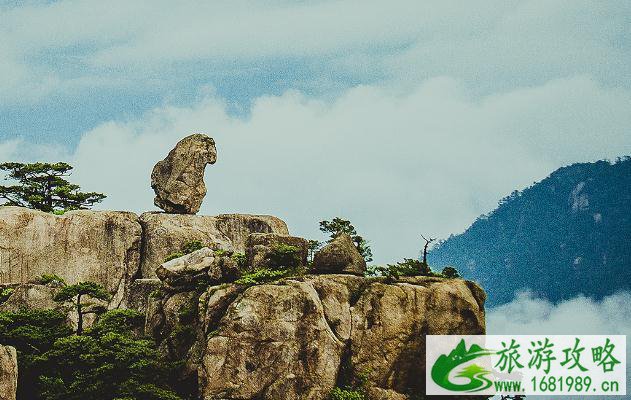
{"points": [[568, 234]]}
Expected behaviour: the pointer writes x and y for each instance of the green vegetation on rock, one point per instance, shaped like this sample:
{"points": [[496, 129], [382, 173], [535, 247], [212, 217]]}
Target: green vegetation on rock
{"points": [[5, 294], [192, 246], [284, 255], [407, 267], [187, 248], [450, 272], [110, 361], [347, 394], [240, 259], [261, 275], [47, 279]]}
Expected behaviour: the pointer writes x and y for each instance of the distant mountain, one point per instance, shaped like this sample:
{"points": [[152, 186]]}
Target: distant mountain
{"points": [[568, 234]]}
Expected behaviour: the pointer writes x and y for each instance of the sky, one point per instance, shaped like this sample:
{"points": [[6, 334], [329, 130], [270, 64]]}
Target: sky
{"points": [[405, 117]]}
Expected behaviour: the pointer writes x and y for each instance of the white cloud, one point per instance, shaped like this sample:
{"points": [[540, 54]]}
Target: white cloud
{"points": [[426, 161], [581, 315], [527, 314], [491, 44]]}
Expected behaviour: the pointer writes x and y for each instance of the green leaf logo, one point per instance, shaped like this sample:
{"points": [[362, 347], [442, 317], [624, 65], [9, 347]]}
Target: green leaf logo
{"points": [[476, 374]]}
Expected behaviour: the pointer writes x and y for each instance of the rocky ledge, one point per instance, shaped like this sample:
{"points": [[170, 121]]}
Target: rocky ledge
{"points": [[298, 338], [112, 248]]}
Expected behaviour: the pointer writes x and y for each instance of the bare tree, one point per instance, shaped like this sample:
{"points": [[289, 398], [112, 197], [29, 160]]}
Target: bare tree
{"points": [[425, 247]]}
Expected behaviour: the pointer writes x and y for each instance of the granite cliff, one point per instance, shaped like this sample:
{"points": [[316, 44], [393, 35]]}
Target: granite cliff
{"points": [[300, 337], [242, 313]]}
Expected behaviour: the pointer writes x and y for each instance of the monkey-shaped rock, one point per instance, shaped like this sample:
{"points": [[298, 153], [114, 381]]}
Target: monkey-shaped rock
{"points": [[178, 180]]}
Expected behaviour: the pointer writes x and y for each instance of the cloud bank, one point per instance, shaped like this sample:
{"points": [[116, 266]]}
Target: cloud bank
{"points": [[528, 314], [493, 44], [397, 163]]}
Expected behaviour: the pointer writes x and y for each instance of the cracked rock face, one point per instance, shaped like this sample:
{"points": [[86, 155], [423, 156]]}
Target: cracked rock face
{"points": [[8, 373], [164, 234], [299, 338], [98, 246], [178, 180]]}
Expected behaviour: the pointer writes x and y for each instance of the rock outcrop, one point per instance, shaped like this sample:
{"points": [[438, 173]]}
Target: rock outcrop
{"points": [[204, 266], [178, 180], [164, 234], [8, 373], [301, 337], [109, 247], [98, 246], [265, 250], [339, 256]]}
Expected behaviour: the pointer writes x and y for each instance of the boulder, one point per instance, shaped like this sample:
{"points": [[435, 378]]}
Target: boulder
{"points": [[8, 373], [301, 337], [184, 271], [99, 246], [165, 234], [262, 251], [339, 256], [204, 266], [178, 180]]}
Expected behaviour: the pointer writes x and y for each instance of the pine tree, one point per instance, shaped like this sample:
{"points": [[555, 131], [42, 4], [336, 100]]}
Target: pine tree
{"points": [[75, 293], [337, 226], [42, 186]]}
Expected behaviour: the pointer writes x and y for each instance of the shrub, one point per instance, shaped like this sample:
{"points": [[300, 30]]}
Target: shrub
{"points": [[187, 248], [347, 394], [337, 226], [182, 335], [74, 293], [5, 294], [240, 259], [285, 255], [450, 272], [120, 321], [32, 333], [407, 267], [261, 275], [357, 391], [173, 256], [188, 312], [111, 360], [46, 279], [104, 366], [192, 246]]}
